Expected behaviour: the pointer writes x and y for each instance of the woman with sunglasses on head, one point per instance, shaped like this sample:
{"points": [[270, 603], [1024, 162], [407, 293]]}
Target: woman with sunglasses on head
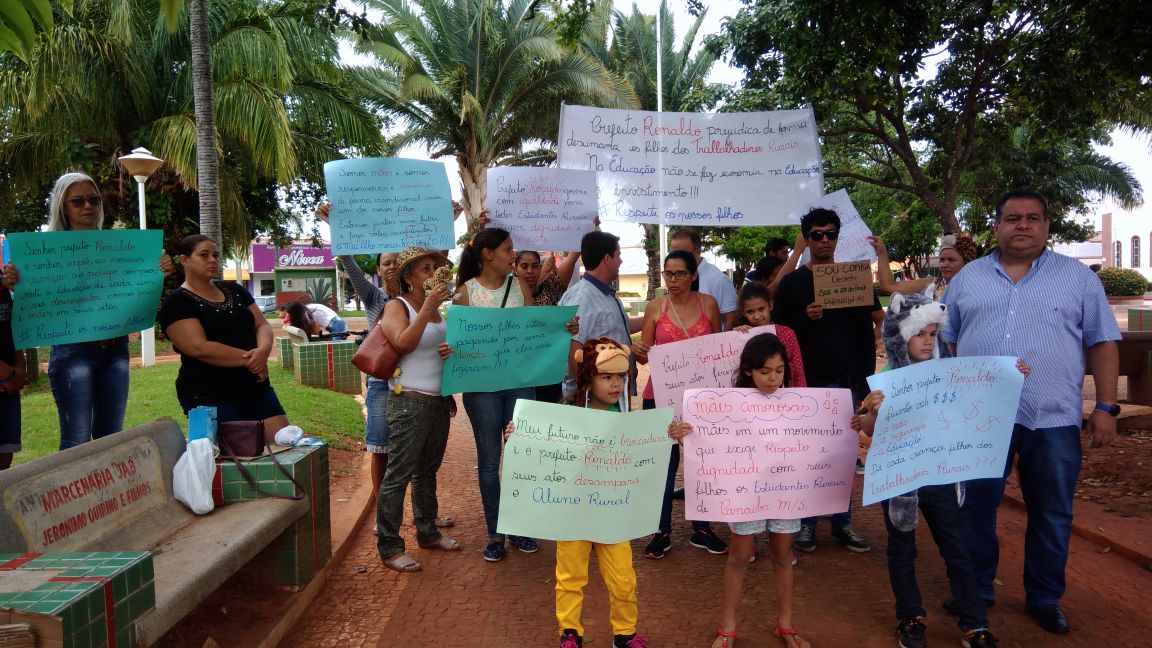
{"points": [[680, 314], [89, 380]]}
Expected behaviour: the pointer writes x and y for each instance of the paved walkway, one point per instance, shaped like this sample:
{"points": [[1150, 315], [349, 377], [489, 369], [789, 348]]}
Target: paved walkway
{"points": [[842, 599]]}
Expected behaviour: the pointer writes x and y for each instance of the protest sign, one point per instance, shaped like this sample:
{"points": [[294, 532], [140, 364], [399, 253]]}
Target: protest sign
{"points": [[696, 363], [725, 169], [754, 456], [942, 422], [852, 244], [543, 209], [843, 285], [503, 348], [81, 286], [388, 204], [572, 473]]}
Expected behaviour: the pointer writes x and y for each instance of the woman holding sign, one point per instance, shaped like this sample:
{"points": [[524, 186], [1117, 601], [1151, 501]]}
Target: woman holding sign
{"points": [[956, 251], [89, 380], [681, 314]]}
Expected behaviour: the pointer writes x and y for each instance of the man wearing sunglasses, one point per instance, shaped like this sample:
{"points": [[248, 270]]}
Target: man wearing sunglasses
{"points": [[838, 345]]}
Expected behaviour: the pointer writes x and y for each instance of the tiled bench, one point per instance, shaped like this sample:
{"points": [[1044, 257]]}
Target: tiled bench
{"points": [[115, 495]]}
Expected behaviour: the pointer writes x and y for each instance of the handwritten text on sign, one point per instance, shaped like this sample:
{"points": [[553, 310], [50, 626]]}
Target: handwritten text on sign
{"points": [[79, 503], [543, 209], [695, 168], [504, 348], [696, 363], [942, 422], [82, 286], [852, 244], [388, 204], [753, 456], [843, 285], [571, 473]]}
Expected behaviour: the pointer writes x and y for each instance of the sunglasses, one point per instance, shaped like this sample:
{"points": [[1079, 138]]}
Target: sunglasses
{"points": [[676, 274], [820, 235], [78, 203]]}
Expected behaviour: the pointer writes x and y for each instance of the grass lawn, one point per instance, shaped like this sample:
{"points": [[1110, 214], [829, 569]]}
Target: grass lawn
{"points": [[152, 394]]}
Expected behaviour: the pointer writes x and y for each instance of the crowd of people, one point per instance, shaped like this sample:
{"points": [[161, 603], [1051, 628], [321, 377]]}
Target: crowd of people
{"points": [[1022, 300]]}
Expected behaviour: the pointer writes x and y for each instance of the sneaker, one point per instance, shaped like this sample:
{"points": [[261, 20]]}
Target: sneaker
{"points": [[569, 639], [805, 539], [678, 493], [978, 639], [629, 641], [851, 541], [661, 544], [707, 539], [910, 633], [495, 552], [859, 466], [525, 545]]}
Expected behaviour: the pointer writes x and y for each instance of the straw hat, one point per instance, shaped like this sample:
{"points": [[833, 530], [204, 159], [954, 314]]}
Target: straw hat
{"points": [[962, 243], [406, 257]]}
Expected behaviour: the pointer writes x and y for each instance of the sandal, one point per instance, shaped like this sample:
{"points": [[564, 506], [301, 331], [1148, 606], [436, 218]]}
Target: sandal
{"points": [[443, 544], [445, 522], [789, 637], [725, 638], [402, 562]]}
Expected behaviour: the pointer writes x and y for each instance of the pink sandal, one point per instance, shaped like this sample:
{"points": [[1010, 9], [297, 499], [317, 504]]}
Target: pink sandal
{"points": [[726, 637], [789, 637]]}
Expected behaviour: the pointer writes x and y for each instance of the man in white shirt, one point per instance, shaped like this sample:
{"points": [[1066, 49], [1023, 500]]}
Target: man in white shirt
{"points": [[713, 281]]}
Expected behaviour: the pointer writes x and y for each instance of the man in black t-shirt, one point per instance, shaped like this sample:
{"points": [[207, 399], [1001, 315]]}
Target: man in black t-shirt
{"points": [[838, 345]]}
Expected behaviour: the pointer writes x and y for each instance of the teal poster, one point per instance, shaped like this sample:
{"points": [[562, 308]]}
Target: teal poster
{"points": [[84, 286], [388, 204], [503, 348], [571, 473]]}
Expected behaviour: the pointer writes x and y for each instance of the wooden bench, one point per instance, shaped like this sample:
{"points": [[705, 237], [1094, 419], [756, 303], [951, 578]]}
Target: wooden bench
{"points": [[1135, 350], [115, 495]]}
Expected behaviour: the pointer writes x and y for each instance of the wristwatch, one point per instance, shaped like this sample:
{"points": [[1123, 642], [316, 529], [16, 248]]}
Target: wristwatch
{"points": [[1112, 409]]}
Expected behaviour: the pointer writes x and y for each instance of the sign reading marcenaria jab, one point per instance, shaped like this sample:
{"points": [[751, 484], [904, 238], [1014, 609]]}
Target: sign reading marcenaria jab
{"points": [[722, 169], [388, 204]]}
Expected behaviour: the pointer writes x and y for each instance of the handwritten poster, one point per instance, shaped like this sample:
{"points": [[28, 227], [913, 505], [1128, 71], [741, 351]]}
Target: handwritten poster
{"points": [[942, 422], [543, 209], [788, 455], [696, 363], [843, 285], [503, 348], [388, 204], [724, 169], [852, 244], [571, 473], [82, 286]]}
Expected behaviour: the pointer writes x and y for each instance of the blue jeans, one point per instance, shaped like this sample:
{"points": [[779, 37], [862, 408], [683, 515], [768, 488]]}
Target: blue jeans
{"points": [[376, 435], [946, 522], [90, 384], [670, 485], [840, 520], [490, 413], [338, 328], [1048, 464]]}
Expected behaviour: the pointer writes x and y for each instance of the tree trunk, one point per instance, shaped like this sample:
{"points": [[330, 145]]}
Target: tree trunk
{"points": [[474, 186], [207, 160], [652, 251]]}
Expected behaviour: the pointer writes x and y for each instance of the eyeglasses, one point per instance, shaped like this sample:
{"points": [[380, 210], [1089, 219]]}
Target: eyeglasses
{"points": [[676, 274], [78, 202], [819, 235]]}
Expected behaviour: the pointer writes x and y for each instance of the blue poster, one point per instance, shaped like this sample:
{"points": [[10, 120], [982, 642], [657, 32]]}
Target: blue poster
{"points": [[503, 348], [82, 286], [942, 421], [388, 204]]}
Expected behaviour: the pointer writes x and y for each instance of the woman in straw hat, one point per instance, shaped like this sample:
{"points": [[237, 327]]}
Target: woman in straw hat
{"points": [[956, 250]]}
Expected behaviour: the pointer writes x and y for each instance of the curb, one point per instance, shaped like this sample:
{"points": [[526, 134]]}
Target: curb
{"points": [[1141, 557], [361, 504]]}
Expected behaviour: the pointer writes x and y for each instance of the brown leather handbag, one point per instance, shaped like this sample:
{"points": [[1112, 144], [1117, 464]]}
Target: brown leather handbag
{"points": [[246, 439], [376, 356]]}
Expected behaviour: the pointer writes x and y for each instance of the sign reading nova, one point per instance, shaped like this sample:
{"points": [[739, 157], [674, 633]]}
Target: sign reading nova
{"points": [[726, 169]]}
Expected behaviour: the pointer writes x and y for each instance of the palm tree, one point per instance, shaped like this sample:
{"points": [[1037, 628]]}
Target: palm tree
{"points": [[23, 21], [481, 80], [207, 160]]}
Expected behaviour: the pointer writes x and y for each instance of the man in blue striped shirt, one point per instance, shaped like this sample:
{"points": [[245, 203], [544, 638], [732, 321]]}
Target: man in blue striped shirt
{"points": [[1027, 301]]}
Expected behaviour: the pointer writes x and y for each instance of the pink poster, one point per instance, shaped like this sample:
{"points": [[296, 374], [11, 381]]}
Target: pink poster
{"points": [[753, 456], [696, 363]]}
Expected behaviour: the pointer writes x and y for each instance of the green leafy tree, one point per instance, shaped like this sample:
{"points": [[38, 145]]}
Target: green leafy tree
{"points": [[23, 21]]}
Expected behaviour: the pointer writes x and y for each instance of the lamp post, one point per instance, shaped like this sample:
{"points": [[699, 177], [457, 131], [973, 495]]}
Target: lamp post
{"points": [[141, 164]]}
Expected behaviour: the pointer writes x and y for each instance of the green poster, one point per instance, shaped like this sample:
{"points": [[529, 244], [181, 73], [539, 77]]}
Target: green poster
{"points": [[578, 474], [504, 348], [84, 286]]}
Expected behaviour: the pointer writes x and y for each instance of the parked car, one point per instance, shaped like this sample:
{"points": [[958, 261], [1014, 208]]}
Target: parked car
{"points": [[267, 303]]}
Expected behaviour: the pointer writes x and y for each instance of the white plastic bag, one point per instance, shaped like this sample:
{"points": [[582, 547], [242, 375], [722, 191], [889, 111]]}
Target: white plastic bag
{"points": [[192, 477]]}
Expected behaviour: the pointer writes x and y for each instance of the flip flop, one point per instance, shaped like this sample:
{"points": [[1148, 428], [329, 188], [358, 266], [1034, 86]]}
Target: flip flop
{"points": [[402, 563], [445, 522], [443, 544]]}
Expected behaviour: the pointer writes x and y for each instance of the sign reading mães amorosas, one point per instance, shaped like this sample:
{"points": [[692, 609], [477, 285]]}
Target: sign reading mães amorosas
{"points": [[266, 257]]}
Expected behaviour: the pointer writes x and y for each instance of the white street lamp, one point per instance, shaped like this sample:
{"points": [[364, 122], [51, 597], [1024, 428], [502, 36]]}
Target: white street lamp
{"points": [[141, 164]]}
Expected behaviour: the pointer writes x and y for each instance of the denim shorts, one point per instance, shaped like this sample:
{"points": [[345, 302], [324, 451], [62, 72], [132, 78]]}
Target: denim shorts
{"points": [[258, 406], [9, 423], [377, 437], [758, 526]]}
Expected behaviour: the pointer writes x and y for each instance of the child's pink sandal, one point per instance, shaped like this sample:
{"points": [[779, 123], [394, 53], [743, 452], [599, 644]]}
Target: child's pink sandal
{"points": [[789, 637], [725, 637]]}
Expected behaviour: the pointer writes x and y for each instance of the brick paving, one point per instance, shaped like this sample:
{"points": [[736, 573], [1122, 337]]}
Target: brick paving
{"points": [[842, 599]]}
